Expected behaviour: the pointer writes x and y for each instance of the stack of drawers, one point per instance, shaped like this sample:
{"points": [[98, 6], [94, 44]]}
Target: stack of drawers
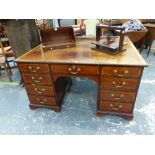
{"points": [[118, 89], [38, 83]]}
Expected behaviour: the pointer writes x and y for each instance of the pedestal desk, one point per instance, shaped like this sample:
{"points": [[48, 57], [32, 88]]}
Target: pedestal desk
{"points": [[47, 74]]}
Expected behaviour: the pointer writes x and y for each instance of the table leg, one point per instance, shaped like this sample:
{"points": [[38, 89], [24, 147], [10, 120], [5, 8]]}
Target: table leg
{"points": [[149, 48]]}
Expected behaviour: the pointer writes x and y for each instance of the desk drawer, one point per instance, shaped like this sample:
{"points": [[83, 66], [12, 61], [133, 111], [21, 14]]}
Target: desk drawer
{"points": [[133, 72], [37, 79], [115, 106], [34, 68], [75, 69], [42, 100], [119, 84], [40, 90], [117, 96]]}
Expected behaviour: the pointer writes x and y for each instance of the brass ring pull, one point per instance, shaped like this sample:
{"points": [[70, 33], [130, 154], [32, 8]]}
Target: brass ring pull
{"points": [[126, 72], [117, 98], [118, 107], [119, 86], [36, 80], [115, 71], [41, 102], [74, 70], [39, 92], [33, 69], [44, 100], [120, 75]]}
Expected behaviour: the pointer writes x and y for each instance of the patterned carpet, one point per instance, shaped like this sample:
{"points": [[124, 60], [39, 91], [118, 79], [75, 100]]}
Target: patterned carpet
{"points": [[78, 115]]}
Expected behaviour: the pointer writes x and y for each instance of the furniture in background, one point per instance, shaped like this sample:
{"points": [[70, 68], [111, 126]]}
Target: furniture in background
{"points": [[118, 77], [150, 37], [3, 63], [22, 34], [76, 24], [3, 37], [10, 56], [137, 38]]}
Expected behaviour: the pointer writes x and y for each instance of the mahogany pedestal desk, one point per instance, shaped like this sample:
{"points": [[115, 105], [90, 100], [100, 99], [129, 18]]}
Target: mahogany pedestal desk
{"points": [[47, 74]]}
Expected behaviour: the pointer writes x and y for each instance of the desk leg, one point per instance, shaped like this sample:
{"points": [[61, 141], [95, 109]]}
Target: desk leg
{"points": [[35, 106], [125, 116], [129, 117]]}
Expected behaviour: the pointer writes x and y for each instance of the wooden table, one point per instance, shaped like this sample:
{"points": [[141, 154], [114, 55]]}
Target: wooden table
{"points": [[150, 36], [46, 75]]}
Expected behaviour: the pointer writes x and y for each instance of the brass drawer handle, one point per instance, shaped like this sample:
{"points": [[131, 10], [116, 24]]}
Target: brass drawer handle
{"points": [[39, 91], [41, 101], [126, 72], [118, 107], [117, 98], [74, 70], [115, 71], [33, 69], [118, 86], [36, 80]]}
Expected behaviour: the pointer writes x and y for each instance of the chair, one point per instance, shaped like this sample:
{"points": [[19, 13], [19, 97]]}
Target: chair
{"points": [[7, 51], [4, 64], [137, 37], [78, 29]]}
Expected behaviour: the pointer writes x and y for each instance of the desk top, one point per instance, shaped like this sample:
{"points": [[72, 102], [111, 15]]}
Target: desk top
{"points": [[83, 54]]}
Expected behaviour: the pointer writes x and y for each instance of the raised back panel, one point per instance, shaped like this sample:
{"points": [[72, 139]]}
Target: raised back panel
{"points": [[57, 37]]}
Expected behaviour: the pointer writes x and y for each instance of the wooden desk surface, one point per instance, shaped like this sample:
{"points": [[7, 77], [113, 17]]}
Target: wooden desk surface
{"points": [[83, 54]]}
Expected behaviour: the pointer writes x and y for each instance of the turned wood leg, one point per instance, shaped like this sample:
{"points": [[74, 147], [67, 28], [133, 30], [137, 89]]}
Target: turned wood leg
{"points": [[141, 46], [129, 117], [8, 66], [57, 110], [98, 114], [32, 107], [0, 70], [6, 69], [149, 48]]}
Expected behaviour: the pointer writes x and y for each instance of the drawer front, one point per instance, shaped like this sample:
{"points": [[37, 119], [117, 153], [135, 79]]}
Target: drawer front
{"points": [[40, 90], [36, 79], [41, 100], [115, 106], [34, 68], [75, 69], [133, 72], [119, 84], [117, 96]]}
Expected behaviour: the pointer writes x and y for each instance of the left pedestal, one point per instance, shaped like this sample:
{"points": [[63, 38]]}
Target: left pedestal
{"points": [[39, 86]]}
